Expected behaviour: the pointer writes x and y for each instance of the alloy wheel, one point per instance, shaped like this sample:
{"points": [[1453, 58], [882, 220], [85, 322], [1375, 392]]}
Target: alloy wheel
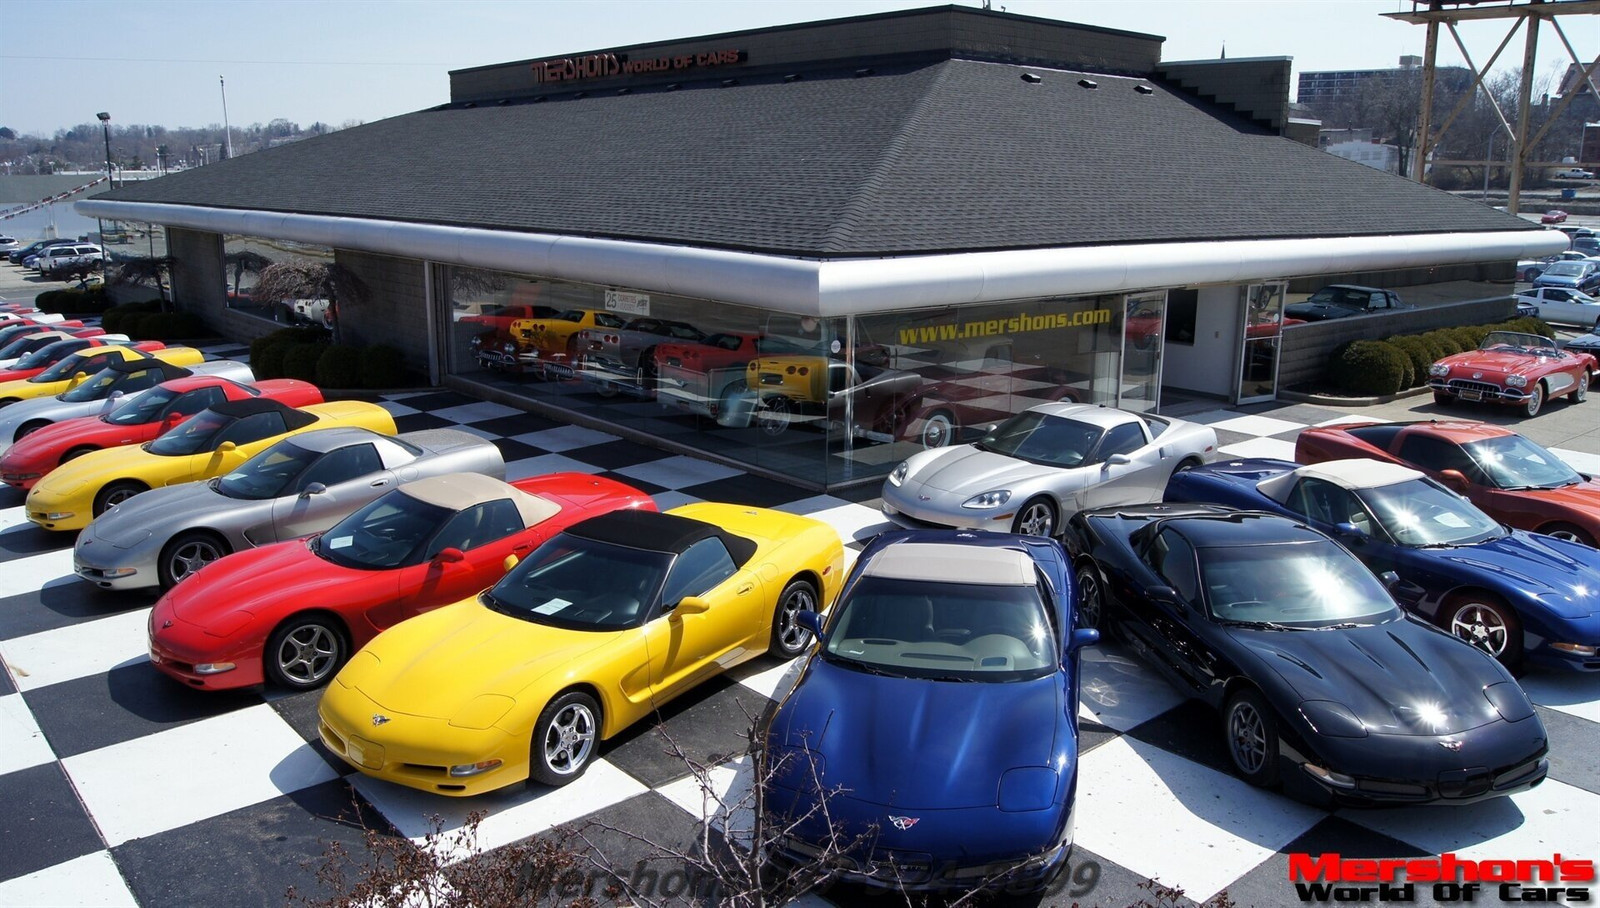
{"points": [[1481, 626], [1247, 738], [309, 654], [570, 739]]}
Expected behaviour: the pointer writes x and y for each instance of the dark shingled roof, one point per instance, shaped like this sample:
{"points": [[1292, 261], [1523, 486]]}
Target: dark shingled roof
{"points": [[944, 157]]}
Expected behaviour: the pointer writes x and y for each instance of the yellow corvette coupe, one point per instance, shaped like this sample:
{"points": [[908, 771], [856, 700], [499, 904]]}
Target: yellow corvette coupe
{"points": [[597, 628], [209, 444], [70, 371]]}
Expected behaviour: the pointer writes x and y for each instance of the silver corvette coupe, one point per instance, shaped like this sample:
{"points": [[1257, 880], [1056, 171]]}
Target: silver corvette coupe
{"points": [[1036, 469], [299, 486], [103, 392]]}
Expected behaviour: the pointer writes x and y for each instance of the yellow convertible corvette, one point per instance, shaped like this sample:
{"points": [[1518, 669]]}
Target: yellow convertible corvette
{"points": [[597, 628], [70, 371], [209, 444]]}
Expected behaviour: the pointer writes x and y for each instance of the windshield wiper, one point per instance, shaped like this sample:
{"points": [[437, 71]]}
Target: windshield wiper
{"points": [[1269, 625], [1343, 625], [964, 679], [858, 665]]}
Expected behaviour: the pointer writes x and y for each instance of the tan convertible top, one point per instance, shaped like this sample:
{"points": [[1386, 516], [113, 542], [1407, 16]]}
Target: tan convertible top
{"points": [[943, 562], [459, 491], [1354, 473]]}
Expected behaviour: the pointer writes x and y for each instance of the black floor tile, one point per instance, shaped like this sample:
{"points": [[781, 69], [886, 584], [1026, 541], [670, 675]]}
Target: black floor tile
{"points": [[750, 490], [614, 455], [62, 605], [1268, 883], [1573, 744], [437, 400], [300, 711], [1225, 437], [27, 539], [7, 686], [1092, 734], [708, 725], [513, 451], [649, 488], [42, 823], [416, 422], [508, 426], [130, 702], [1191, 729]]}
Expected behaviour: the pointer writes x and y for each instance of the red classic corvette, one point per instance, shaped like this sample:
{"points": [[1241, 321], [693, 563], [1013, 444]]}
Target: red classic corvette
{"points": [[51, 353], [427, 543], [1509, 477], [137, 421], [499, 318], [1522, 370]]}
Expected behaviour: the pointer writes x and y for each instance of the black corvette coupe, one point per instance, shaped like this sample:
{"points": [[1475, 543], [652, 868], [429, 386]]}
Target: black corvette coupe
{"points": [[1325, 686]]}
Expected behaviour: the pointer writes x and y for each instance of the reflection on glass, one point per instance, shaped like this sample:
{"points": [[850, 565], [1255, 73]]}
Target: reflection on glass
{"points": [[244, 258], [1143, 331], [1263, 325]]}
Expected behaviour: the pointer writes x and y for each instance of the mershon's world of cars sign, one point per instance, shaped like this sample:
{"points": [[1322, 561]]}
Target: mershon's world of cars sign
{"points": [[599, 66]]}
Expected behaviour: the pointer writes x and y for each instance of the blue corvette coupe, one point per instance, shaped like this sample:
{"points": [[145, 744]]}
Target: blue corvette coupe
{"points": [[931, 741], [1517, 595]]}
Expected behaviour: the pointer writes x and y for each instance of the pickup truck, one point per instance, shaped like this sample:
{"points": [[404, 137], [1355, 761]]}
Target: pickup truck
{"points": [[1343, 301], [65, 260]]}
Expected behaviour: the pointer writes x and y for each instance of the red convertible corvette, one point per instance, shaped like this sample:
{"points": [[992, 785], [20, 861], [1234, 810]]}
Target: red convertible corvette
{"points": [[1509, 477], [427, 543], [1522, 370], [137, 421]]}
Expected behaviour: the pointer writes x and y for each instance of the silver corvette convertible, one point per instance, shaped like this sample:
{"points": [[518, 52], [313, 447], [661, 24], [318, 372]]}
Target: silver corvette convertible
{"points": [[299, 486], [1036, 469], [103, 392]]}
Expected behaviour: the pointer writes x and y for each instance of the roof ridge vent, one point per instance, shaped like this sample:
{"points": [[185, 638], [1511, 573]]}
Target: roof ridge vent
{"points": [[793, 77], [865, 71], [1144, 89], [1088, 83], [1032, 78]]}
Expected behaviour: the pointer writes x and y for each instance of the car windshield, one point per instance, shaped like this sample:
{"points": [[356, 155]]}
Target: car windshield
{"points": [[94, 387], [64, 369], [191, 437], [581, 584], [10, 333], [944, 631], [387, 533], [1341, 296], [1043, 439], [142, 409], [267, 474], [1420, 512], [1511, 342], [1299, 586], [1514, 462], [40, 357], [1568, 269]]}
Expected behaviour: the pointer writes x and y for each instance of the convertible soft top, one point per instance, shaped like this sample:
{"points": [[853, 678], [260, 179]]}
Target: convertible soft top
{"points": [[168, 370], [239, 409], [657, 532], [1354, 473]]}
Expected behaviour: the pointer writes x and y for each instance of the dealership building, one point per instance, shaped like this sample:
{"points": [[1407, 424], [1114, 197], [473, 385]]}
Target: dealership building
{"points": [[810, 250]]}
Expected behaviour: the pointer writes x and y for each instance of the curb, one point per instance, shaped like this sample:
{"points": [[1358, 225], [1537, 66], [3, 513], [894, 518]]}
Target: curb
{"points": [[1329, 400]]}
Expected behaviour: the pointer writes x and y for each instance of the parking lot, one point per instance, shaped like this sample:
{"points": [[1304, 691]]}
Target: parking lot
{"points": [[122, 787]]}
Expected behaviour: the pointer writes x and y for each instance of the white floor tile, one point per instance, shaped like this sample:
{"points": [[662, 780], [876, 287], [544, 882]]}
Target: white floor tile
{"points": [[1555, 817], [476, 412], [546, 463], [91, 881], [512, 813], [25, 575], [21, 743], [1119, 691], [813, 505], [564, 438], [189, 773], [13, 517], [50, 657], [666, 501], [772, 681], [854, 521], [1132, 794], [679, 472], [1346, 420], [1211, 417], [1569, 692], [1578, 460], [1257, 425], [1260, 447], [397, 409], [726, 797]]}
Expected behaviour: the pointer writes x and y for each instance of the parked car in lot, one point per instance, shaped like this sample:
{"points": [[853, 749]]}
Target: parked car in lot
{"points": [[63, 260], [1581, 275], [19, 256], [1325, 687], [1529, 270], [1343, 301], [1521, 370], [1573, 173], [979, 630], [8, 243], [1553, 216], [1563, 306]]}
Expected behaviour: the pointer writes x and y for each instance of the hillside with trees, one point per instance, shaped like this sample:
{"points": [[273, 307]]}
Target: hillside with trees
{"points": [[140, 147]]}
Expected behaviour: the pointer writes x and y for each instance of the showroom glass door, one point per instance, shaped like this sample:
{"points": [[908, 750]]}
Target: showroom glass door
{"points": [[1263, 328], [1144, 327]]}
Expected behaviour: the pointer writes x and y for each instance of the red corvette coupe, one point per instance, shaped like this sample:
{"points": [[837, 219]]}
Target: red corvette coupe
{"points": [[53, 352], [1522, 370], [427, 543], [1509, 477], [137, 421]]}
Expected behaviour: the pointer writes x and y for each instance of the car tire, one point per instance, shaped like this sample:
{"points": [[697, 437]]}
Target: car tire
{"points": [[1580, 391], [28, 428], [1568, 532], [565, 739], [304, 652], [1036, 517], [77, 452], [1250, 735], [1442, 399], [187, 553], [939, 430], [772, 415], [789, 639], [1187, 464], [116, 493], [1487, 623], [1091, 596], [1535, 401]]}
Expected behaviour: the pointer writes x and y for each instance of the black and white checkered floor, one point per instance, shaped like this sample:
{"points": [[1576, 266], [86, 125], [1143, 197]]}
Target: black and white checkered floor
{"points": [[118, 787]]}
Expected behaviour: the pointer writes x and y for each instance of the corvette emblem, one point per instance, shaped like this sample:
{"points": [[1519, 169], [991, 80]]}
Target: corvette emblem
{"points": [[167, 623], [924, 497], [379, 719], [1451, 745], [1477, 375], [904, 823]]}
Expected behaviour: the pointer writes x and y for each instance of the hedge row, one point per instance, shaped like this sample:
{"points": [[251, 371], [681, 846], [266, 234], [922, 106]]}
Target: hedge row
{"points": [[1379, 367], [306, 354], [72, 301]]}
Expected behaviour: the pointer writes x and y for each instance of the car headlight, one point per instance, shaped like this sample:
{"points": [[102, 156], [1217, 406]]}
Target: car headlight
{"points": [[988, 500], [57, 515], [483, 711], [1439, 370], [1576, 649], [899, 474], [509, 347], [1333, 719], [1517, 381]]}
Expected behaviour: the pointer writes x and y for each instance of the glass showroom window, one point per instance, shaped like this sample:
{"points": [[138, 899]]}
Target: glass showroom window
{"points": [[244, 258]]}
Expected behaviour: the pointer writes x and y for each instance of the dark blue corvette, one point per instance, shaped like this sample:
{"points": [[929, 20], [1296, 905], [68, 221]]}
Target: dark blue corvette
{"points": [[932, 738], [1517, 595]]}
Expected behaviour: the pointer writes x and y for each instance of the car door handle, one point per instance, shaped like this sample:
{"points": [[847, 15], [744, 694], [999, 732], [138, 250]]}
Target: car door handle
{"points": [[520, 549], [746, 588], [379, 482]]}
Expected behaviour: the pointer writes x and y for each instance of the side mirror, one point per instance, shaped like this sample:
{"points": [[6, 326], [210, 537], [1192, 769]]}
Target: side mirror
{"points": [[171, 419], [1166, 595], [1455, 481], [116, 395], [77, 379], [1116, 460], [227, 447], [811, 621], [1350, 531], [691, 605], [315, 488], [1082, 637], [1390, 580], [449, 555], [510, 562]]}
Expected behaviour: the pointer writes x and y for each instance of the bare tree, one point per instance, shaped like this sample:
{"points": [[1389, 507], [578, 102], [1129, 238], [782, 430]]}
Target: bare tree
{"points": [[142, 271], [243, 262], [284, 282]]}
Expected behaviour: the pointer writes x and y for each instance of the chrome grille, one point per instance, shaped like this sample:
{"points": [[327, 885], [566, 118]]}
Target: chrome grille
{"points": [[1482, 387]]}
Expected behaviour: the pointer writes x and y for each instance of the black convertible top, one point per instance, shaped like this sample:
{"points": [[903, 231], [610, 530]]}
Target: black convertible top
{"points": [[239, 409], [657, 532], [168, 370]]}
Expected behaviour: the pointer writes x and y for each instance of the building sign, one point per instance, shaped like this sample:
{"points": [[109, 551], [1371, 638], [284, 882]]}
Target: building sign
{"points": [[600, 66], [627, 303]]}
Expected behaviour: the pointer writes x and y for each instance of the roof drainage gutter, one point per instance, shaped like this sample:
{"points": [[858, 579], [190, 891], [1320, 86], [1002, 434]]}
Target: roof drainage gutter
{"points": [[854, 286]]}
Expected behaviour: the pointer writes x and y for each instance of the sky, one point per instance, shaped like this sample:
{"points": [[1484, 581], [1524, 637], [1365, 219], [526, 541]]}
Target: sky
{"points": [[158, 63]]}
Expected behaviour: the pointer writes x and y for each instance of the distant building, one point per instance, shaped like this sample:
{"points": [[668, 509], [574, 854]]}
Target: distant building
{"points": [[1327, 137], [1379, 157], [1591, 144], [1323, 90]]}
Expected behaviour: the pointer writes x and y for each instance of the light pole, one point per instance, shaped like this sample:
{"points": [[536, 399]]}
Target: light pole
{"points": [[227, 134], [105, 129]]}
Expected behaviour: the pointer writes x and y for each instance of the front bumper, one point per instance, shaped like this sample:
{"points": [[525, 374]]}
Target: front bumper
{"points": [[78, 516], [177, 660], [1390, 770], [939, 509], [1489, 392], [112, 567]]}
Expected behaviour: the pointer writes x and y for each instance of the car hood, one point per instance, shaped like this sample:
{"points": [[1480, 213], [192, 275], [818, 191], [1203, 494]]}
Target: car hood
{"points": [[190, 504], [920, 744], [1399, 678], [1490, 361], [1318, 311], [44, 447], [965, 467], [233, 584], [437, 663], [99, 467], [1564, 575], [12, 417]]}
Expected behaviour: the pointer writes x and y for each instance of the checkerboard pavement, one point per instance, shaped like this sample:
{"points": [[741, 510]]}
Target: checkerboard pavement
{"points": [[119, 787]]}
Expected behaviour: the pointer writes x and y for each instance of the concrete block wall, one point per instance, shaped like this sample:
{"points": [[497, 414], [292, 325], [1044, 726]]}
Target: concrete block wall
{"points": [[1306, 348], [396, 310]]}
